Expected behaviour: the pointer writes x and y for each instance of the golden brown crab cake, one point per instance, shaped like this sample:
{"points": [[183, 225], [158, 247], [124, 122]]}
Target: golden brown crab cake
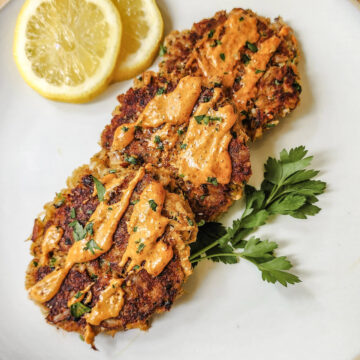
{"points": [[188, 129], [253, 58], [111, 250]]}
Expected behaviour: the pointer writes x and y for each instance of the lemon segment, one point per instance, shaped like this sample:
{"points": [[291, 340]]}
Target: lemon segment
{"points": [[67, 49], [143, 29]]}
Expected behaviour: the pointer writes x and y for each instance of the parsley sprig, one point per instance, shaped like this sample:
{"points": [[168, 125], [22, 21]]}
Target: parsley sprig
{"points": [[287, 189]]}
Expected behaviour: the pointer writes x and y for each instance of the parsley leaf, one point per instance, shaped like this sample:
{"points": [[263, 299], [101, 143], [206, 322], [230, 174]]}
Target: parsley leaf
{"points": [[288, 188], [252, 47], [73, 213], [78, 309], [79, 232], [245, 59], [212, 180], [131, 159], [163, 50], [100, 188], [153, 204], [140, 248], [91, 245], [160, 91], [211, 33]]}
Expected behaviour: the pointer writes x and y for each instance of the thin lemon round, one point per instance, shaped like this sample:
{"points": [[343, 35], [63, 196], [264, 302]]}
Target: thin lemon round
{"points": [[143, 29], [67, 49]]}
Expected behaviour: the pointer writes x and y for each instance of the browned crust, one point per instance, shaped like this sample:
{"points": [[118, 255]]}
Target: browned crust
{"points": [[144, 294], [278, 91]]}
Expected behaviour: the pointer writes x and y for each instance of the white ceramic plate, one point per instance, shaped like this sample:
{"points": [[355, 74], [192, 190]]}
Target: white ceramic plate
{"points": [[227, 310]]}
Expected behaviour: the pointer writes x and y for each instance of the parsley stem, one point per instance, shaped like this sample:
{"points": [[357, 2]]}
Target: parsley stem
{"points": [[204, 249], [216, 255], [273, 193]]}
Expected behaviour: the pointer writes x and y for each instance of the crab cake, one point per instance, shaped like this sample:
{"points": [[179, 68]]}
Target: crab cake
{"points": [[253, 58], [188, 129], [111, 251]]}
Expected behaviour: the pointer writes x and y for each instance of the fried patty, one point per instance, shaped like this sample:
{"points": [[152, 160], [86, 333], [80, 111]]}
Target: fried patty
{"points": [[207, 201], [275, 94], [144, 294], [277, 91]]}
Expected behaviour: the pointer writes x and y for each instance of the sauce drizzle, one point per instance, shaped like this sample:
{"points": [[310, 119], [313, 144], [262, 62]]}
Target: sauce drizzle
{"points": [[111, 301], [217, 59], [173, 108], [51, 238], [206, 153], [146, 225], [254, 71], [104, 225]]}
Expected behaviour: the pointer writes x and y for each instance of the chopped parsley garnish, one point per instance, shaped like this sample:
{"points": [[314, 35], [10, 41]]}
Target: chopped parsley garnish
{"points": [[79, 232], [153, 204], [79, 309], [211, 33], [134, 202], [190, 222], [136, 267], [78, 294], [222, 56], [212, 180], [202, 197], [163, 50], [91, 245], [52, 262], [297, 86], [277, 82], [270, 125], [124, 128], [73, 213], [183, 146], [252, 47], [110, 208], [201, 223], [206, 99], [288, 188], [135, 229], [35, 263], [112, 171], [160, 91], [181, 175], [100, 188], [131, 159], [61, 200], [241, 18], [180, 131], [216, 43], [89, 228], [93, 277], [245, 59], [140, 248], [199, 118], [257, 71], [81, 337], [206, 119], [89, 212], [157, 140]]}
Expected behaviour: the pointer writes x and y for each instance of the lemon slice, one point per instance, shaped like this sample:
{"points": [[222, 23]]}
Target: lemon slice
{"points": [[67, 49], [143, 28]]}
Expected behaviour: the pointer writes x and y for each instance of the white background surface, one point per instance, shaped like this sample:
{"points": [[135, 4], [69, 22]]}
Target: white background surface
{"points": [[227, 311]]}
